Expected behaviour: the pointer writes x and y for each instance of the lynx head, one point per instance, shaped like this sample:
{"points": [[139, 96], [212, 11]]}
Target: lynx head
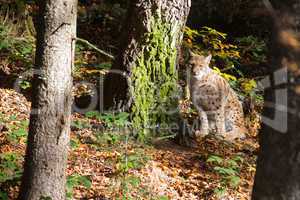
{"points": [[199, 63]]}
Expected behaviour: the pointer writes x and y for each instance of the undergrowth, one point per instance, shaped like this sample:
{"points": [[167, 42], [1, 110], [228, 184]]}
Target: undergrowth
{"points": [[228, 170]]}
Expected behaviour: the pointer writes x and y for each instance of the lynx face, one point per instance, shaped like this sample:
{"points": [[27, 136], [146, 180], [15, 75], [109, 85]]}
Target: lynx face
{"points": [[199, 64]]}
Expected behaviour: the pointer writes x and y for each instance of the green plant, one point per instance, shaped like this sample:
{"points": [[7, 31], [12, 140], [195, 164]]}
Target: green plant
{"points": [[93, 114], [25, 84], [75, 180], [12, 117], [125, 163], [134, 160], [163, 198], [15, 135], [79, 124], [110, 138], [128, 182], [74, 143], [225, 55], [228, 170], [3, 195], [18, 48], [16, 44], [252, 49], [18, 130], [10, 167], [110, 119]]}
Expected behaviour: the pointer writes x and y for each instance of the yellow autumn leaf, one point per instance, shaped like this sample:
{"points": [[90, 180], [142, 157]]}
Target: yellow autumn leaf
{"points": [[248, 85]]}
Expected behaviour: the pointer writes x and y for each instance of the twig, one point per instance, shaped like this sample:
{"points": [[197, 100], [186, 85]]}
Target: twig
{"points": [[94, 47]]}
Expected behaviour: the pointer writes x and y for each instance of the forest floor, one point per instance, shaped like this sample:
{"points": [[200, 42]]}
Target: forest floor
{"points": [[112, 166]]}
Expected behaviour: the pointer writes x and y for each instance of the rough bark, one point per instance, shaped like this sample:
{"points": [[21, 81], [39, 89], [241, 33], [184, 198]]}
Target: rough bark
{"points": [[278, 167], [138, 22], [48, 139]]}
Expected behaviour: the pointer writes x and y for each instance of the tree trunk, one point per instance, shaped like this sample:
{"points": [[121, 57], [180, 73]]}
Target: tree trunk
{"points": [[137, 25], [48, 139], [148, 56], [278, 167]]}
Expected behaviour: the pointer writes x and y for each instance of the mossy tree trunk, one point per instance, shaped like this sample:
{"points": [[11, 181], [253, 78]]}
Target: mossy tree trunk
{"points": [[152, 34], [278, 167], [48, 139]]}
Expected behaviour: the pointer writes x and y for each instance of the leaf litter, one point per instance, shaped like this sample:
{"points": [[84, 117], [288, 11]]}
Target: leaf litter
{"points": [[169, 171]]}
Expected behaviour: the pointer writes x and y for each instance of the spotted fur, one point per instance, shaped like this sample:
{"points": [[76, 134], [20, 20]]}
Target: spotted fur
{"points": [[219, 108]]}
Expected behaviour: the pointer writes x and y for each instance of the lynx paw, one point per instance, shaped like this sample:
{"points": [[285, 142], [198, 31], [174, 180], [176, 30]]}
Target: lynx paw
{"points": [[201, 133]]}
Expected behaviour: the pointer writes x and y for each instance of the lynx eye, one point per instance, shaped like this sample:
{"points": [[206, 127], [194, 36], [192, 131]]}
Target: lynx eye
{"points": [[191, 64]]}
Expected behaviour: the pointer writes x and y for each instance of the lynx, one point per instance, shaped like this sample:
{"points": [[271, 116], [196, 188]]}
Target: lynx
{"points": [[219, 108]]}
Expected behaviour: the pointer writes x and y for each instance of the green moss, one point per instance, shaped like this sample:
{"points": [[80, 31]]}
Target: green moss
{"points": [[154, 78]]}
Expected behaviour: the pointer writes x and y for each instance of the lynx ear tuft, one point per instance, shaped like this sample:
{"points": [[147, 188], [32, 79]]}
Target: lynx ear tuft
{"points": [[208, 58], [192, 54]]}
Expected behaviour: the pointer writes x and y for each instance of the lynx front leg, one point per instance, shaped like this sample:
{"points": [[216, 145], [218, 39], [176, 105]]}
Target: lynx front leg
{"points": [[204, 124], [220, 122]]}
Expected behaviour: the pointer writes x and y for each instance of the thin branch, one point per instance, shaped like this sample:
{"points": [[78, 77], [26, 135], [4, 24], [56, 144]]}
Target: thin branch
{"points": [[95, 48]]}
